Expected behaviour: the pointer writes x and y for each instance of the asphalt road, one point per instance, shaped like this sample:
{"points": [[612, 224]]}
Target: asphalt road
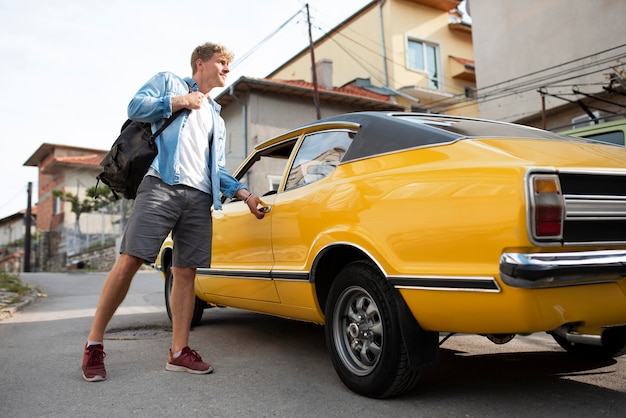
{"points": [[267, 367]]}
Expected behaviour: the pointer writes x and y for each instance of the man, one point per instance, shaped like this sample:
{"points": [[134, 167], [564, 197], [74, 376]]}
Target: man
{"points": [[183, 181]]}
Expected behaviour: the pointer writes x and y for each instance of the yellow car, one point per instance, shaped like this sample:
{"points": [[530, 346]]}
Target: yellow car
{"points": [[391, 228]]}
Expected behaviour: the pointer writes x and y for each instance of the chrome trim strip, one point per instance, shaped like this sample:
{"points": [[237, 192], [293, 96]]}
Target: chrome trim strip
{"points": [[330, 245], [291, 276], [600, 171], [447, 283], [242, 274], [300, 276], [597, 207], [544, 270], [592, 243]]}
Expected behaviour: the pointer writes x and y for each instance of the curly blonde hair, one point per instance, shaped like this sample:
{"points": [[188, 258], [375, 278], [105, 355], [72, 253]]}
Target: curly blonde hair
{"points": [[206, 51]]}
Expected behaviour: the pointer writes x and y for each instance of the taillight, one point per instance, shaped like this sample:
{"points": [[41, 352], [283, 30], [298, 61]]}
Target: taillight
{"points": [[547, 207]]}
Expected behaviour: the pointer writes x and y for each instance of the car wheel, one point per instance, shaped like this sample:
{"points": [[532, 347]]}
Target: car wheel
{"points": [[199, 305], [363, 334], [613, 339]]}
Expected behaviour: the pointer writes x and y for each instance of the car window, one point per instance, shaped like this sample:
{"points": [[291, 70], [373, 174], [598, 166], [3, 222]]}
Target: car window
{"points": [[271, 162], [318, 156], [612, 137]]}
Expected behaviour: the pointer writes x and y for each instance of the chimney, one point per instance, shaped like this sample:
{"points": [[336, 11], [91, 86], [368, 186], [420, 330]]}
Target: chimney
{"points": [[324, 68]]}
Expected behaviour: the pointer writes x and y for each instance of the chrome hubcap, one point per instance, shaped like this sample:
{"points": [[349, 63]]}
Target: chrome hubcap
{"points": [[359, 330]]}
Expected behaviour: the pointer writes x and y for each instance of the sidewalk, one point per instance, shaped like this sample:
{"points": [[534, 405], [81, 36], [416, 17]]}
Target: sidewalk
{"points": [[8, 304]]}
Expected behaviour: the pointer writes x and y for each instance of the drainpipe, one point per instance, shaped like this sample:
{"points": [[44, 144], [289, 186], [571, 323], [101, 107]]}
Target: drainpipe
{"points": [[244, 117], [382, 41]]}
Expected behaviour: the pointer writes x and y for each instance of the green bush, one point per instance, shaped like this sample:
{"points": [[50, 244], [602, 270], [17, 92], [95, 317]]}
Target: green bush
{"points": [[12, 283]]}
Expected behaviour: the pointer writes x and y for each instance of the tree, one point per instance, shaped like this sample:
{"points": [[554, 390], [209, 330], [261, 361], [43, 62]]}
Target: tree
{"points": [[96, 198]]}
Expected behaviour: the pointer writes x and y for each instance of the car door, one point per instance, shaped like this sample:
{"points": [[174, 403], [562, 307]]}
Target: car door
{"points": [[302, 209], [242, 256]]}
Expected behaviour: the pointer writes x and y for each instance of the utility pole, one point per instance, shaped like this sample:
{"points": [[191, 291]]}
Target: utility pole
{"points": [[316, 94], [27, 224]]}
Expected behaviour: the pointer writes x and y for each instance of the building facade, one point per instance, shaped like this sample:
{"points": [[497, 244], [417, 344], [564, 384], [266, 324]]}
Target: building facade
{"points": [[12, 241], [61, 231], [413, 55], [419, 51], [550, 64]]}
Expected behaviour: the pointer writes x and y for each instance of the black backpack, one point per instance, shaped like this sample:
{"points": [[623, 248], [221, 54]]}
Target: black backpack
{"points": [[125, 165]]}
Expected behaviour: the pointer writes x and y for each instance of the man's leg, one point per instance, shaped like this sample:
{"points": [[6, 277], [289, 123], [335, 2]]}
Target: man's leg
{"points": [[113, 293], [192, 247], [182, 300]]}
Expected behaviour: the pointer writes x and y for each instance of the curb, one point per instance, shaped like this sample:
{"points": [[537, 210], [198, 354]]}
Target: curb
{"points": [[9, 311]]}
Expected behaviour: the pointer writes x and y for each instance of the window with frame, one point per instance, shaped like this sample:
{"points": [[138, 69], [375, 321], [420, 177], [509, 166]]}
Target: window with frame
{"points": [[268, 164], [273, 181], [423, 56], [57, 205]]}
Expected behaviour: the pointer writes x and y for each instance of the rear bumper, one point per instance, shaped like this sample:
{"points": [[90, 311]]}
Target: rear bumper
{"points": [[546, 270]]}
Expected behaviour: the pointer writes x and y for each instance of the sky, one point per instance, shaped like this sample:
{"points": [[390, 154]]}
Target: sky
{"points": [[69, 68]]}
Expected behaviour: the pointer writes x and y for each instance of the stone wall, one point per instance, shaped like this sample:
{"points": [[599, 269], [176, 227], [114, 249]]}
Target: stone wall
{"points": [[101, 259]]}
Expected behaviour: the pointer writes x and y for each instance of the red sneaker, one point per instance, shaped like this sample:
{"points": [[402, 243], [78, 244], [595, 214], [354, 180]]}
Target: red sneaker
{"points": [[93, 363], [189, 361]]}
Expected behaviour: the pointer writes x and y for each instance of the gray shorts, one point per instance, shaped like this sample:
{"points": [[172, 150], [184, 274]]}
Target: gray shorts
{"points": [[160, 208]]}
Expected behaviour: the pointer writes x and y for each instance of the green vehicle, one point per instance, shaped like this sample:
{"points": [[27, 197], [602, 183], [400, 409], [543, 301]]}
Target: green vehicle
{"points": [[612, 132]]}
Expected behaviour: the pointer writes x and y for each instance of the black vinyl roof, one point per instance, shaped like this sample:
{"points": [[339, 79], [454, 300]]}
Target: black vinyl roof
{"points": [[385, 132]]}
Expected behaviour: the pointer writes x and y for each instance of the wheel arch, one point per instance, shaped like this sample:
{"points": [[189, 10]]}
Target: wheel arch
{"points": [[165, 260], [328, 263]]}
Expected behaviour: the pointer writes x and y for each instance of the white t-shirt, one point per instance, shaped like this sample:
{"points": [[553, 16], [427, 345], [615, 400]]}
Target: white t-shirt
{"points": [[194, 149]]}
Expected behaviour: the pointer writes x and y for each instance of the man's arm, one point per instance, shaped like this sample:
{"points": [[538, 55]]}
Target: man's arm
{"points": [[230, 187], [158, 98]]}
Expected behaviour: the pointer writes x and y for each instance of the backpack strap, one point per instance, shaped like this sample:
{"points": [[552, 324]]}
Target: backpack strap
{"points": [[171, 118]]}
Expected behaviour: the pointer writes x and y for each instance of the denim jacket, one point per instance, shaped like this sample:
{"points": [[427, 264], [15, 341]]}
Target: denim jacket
{"points": [[153, 103]]}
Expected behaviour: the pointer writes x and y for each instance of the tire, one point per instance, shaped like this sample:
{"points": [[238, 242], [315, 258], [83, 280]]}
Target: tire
{"points": [[199, 306], [613, 340], [363, 334]]}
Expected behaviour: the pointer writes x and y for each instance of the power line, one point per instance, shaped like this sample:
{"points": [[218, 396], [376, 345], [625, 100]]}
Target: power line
{"points": [[263, 41], [543, 81], [375, 50], [553, 67], [14, 197], [505, 90], [543, 78]]}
